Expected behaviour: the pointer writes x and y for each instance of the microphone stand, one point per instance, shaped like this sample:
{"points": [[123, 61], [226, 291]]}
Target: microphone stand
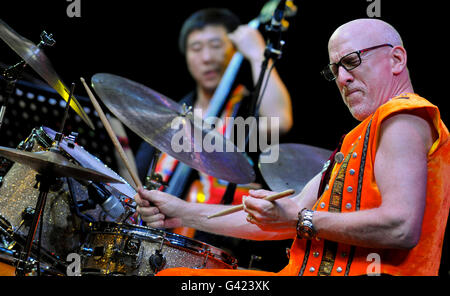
{"points": [[10, 74], [273, 51]]}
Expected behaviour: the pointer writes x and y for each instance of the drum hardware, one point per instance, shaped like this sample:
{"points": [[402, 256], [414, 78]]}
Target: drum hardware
{"points": [[253, 258], [99, 195], [49, 165], [27, 216], [59, 136], [154, 181], [34, 56], [79, 206], [6, 232], [10, 257], [13, 73], [24, 264], [62, 234], [113, 249], [157, 260], [207, 253], [92, 252], [86, 160], [71, 140]]}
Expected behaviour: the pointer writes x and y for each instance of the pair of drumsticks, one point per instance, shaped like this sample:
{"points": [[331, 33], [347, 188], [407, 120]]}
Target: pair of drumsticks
{"points": [[135, 178]]}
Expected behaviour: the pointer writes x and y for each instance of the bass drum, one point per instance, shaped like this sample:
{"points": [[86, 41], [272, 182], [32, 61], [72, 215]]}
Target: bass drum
{"points": [[124, 249]]}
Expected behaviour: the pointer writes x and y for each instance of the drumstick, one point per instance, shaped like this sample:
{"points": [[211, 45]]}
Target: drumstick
{"points": [[241, 206], [111, 134]]}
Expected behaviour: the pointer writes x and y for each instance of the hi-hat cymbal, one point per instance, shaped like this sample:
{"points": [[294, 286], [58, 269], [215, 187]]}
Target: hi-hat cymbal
{"points": [[35, 57], [296, 165], [150, 115], [54, 164]]}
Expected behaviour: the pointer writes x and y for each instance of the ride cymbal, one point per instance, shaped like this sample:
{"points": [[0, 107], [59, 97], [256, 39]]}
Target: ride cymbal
{"points": [[152, 115]]}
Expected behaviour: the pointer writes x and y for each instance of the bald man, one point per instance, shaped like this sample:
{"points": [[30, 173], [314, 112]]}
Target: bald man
{"points": [[381, 204]]}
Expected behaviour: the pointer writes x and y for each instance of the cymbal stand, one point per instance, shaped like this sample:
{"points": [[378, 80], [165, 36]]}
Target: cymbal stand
{"points": [[24, 264], [13, 73], [59, 135], [272, 51], [154, 181]]}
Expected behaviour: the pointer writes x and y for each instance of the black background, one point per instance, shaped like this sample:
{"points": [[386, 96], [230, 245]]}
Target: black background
{"points": [[138, 40]]}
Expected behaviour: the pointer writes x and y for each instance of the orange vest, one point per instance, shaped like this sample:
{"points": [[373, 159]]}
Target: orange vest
{"points": [[352, 187]]}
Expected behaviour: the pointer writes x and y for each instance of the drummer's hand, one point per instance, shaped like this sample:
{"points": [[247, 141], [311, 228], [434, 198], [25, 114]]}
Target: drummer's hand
{"points": [[249, 42], [277, 215], [157, 209]]}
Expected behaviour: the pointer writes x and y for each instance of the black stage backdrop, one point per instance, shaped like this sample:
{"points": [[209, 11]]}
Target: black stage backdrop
{"points": [[138, 40]]}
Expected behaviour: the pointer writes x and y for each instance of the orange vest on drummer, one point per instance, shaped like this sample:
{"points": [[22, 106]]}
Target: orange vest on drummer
{"points": [[352, 187]]}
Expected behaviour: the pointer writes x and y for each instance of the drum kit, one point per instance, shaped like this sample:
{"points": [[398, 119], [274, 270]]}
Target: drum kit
{"points": [[56, 199]]}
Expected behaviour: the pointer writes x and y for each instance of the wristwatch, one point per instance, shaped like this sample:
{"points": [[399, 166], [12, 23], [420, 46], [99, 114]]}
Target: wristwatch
{"points": [[305, 227]]}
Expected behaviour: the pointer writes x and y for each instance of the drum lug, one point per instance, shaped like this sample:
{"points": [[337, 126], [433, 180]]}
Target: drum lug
{"points": [[207, 253], [132, 250], [157, 261]]}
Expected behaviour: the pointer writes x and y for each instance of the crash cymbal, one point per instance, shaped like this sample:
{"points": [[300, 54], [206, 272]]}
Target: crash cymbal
{"points": [[54, 164], [151, 115], [35, 57], [296, 165]]}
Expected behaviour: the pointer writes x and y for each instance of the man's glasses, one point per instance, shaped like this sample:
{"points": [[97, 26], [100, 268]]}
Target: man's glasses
{"points": [[348, 62]]}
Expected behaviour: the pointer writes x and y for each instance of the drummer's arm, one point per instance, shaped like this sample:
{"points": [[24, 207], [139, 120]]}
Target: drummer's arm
{"points": [[195, 215], [161, 210], [236, 224]]}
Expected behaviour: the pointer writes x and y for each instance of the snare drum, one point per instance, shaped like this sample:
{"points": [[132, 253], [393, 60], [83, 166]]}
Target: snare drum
{"points": [[124, 249]]}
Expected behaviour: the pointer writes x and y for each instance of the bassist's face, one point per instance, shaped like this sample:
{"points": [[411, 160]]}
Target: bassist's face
{"points": [[207, 55]]}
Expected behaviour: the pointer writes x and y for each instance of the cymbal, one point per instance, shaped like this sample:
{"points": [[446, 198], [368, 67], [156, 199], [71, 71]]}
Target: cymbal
{"points": [[150, 115], [35, 57], [53, 163], [86, 160], [296, 165]]}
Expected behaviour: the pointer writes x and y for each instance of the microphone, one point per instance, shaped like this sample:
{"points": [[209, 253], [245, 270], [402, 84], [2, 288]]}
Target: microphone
{"points": [[278, 14], [107, 201]]}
